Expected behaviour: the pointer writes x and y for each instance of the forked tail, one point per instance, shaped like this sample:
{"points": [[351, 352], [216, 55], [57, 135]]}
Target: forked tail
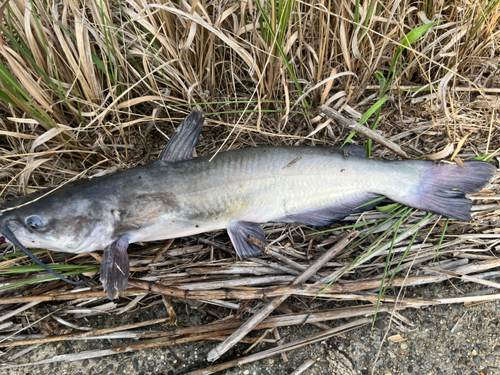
{"points": [[443, 188]]}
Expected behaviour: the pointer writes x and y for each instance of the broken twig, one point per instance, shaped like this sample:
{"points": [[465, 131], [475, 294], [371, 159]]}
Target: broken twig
{"points": [[353, 125], [250, 324]]}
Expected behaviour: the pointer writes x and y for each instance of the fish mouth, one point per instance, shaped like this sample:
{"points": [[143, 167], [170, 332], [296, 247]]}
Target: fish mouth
{"points": [[9, 235]]}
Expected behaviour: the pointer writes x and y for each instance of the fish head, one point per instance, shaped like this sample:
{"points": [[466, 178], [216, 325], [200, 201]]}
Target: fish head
{"points": [[58, 224]]}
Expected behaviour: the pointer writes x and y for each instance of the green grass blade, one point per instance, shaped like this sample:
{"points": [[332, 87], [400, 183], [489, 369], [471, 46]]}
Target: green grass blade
{"points": [[35, 268], [46, 278], [389, 208], [372, 201], [398, 212], [409, 38], [357, 225], [375, 107], [282, 53], [441, 238], [488, 157], [386, 268]]}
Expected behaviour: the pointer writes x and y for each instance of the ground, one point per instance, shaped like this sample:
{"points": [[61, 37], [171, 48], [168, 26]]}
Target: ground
{"points": [[429, 346]]}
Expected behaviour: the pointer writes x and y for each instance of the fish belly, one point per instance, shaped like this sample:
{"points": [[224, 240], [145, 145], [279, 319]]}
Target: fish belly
{"points": [[271, 184]]}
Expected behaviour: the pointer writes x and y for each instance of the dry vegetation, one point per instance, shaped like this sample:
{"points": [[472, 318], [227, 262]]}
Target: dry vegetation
{"points": [[91, 87]]}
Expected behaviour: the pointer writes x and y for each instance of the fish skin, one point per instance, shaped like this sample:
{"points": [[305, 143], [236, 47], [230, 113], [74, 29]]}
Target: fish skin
{"points": [[168, 200], [172, 198]]}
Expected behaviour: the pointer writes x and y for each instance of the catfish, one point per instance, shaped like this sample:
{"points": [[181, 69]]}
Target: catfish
{"points": [[178, 195]]}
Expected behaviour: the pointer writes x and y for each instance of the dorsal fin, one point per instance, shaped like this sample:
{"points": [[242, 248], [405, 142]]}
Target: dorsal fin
{"points": [[182, 144]]}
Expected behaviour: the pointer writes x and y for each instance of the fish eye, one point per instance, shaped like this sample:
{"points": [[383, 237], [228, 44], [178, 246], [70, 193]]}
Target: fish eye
{"points": [[34, 222]]}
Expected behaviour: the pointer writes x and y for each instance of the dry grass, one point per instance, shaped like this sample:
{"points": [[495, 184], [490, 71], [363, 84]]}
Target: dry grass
{"points": [[91, 87]]}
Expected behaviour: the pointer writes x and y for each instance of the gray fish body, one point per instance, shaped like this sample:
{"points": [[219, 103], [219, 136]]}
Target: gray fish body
{"points": [[165, 200], [251, 185], [178, 196]]}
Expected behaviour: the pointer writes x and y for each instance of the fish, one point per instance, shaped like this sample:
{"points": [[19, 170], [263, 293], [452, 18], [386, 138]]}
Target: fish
{"points": [[180, 195]]}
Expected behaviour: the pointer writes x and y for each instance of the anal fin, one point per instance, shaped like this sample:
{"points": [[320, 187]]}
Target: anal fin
{"points": [[239, 231], [115, 267], [332, 213]]}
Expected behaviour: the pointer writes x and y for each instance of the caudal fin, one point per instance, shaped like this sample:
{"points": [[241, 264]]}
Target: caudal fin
{"points": [[443, 188]]}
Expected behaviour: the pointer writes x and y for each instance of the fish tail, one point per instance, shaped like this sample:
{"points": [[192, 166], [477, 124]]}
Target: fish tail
{"points": [[443, 188]]}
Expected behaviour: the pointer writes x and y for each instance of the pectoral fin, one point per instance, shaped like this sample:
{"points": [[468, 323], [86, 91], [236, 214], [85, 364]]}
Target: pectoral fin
{"points": [[115, 267], [182, 144], [239, 231]]}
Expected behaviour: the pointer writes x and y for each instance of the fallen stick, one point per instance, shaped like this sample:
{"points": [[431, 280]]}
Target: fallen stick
{"points": [[251, 323], [269, 322], [367, 132], [303, 367], [166, 343], [467, 278], [66, 296], [18, 310], [291, 263], [98, 332], [277, 337], [127, 348], [281, 349], [234, 293]]}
